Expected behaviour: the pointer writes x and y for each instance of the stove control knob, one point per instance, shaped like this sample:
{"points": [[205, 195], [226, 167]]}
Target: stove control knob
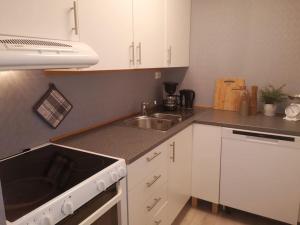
{"points": [[101, 186], [47, 220], [114, 176], [67, 208], [122, 171]]}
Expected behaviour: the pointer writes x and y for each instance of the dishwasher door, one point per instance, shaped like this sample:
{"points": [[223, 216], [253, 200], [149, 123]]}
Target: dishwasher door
{"points": [[260, 174]]}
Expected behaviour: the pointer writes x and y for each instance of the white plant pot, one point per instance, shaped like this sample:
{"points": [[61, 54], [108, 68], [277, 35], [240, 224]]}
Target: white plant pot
{"points": [[270, 109]]}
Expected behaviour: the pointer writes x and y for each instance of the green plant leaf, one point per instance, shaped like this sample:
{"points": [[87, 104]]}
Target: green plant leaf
{"points": [[272, 95]]}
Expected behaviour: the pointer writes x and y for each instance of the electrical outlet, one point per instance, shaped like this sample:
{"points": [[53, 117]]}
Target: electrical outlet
{"points": [[157, 75]]}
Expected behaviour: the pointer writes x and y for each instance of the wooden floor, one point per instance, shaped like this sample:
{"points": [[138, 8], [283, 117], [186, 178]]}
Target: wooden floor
{"points": [[203, 216]]}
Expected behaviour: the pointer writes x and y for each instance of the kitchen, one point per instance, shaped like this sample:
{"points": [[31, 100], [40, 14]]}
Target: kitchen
{"points": [[254, 40]]}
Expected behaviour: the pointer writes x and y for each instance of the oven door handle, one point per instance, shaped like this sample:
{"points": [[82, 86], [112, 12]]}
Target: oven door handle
{"points": [[101, 211]]}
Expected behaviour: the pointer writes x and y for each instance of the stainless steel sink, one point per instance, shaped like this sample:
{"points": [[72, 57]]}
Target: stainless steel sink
{"points": [[174, 117], [148, 122], [162, 121]]}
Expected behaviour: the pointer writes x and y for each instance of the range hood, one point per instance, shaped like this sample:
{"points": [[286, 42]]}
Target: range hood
{"points": [[33, 53]]}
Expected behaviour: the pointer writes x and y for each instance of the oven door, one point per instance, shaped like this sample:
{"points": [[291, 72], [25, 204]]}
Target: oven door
{"points": [[105, 209], [2, 211]]}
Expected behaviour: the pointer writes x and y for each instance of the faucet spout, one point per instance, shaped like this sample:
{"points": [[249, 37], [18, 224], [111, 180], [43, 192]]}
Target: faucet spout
{"points": [[146, 107]]}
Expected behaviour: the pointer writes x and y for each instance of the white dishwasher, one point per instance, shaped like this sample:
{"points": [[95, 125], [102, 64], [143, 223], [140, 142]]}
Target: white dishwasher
{"points": [[260, 173]]}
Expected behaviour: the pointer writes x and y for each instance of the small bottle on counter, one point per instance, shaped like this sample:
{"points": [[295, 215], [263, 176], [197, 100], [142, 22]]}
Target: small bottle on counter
{"points": [[244, 104], [253, 100]]}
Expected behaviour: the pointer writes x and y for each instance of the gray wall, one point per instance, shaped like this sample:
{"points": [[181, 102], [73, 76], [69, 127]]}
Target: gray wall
{"points": [[258, 40], [96, 97]]}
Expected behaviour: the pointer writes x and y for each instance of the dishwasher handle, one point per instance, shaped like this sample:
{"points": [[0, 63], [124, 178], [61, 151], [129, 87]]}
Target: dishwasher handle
{"points": [[262, 137]]}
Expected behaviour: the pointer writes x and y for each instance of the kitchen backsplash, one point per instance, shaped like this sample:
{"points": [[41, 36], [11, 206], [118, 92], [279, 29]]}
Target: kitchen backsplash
{"points": [[96, 96]]}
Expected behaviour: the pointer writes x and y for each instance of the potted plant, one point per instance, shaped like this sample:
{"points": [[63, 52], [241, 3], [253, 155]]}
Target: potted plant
{"points": [[271, 96]]}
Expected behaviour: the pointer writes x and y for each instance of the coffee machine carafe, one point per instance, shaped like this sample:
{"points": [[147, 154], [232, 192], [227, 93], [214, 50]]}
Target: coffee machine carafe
{"points": [[187, 98], [171, 100]]}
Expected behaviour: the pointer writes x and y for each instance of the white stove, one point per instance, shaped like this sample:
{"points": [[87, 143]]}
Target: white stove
{"points": [[54, 184]]}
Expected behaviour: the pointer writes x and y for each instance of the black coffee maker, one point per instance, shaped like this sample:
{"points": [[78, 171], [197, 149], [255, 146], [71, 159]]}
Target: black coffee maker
{"points": [[187, 98], [171, 101]]}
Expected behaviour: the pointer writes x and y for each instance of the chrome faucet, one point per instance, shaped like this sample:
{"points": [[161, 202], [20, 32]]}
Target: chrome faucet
{"points": [[146, 107]]}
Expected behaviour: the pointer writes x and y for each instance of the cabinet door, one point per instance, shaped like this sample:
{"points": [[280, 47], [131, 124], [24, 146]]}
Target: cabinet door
{"points": [[178, 17], [148, 17], [206, 162], [106, 26], [261, 178], [179, 183], [53, 19]]}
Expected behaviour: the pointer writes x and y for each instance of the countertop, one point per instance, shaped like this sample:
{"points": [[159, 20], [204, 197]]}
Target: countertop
{"points": [[131, 143]]}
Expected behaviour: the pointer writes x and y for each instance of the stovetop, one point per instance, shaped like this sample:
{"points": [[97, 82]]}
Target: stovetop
{"points": [[31, 179]]}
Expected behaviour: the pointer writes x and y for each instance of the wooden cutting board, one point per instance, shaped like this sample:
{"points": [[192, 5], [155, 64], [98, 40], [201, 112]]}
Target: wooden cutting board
{"points": [[227, 93]]}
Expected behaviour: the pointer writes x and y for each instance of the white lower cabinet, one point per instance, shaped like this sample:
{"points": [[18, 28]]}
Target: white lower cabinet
{"points": [[252, 171], [161, 217], [206, 162], [144, 208], [180, 168], [147, 185], [159, 183]]}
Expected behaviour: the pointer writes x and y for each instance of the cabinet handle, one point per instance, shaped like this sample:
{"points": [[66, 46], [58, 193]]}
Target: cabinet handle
{"points": [[156, 201], [157, 222], [173, 149], [149, 159], [139, 52], [131, 53], [155, 178], [170, 55], [74, 8]]}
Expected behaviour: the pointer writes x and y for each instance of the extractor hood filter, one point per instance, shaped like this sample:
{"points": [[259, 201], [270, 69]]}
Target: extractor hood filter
{"points": [[31, 53]]}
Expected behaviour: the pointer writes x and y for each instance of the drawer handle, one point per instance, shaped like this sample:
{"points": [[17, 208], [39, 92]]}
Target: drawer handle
{"points": [[157, 222], [155, 178], [139, 53], [156, 201], [149, 159], [74, 8], [131, 54], [173, 151], [170, 55]]}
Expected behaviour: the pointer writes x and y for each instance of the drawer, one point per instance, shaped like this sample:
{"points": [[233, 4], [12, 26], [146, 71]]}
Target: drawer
{"points": [[144, 212], [141, 168], [161, 217], [148, 185]]}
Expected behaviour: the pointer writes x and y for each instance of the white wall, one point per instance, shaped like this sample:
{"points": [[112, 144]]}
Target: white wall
{"points": [[255, 39]]}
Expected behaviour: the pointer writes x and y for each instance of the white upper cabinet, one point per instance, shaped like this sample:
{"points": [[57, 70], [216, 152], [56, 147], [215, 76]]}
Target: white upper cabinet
{"points": [[149, 38], [178, 17], [53, 19], [126, 34], [106, 25]]}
